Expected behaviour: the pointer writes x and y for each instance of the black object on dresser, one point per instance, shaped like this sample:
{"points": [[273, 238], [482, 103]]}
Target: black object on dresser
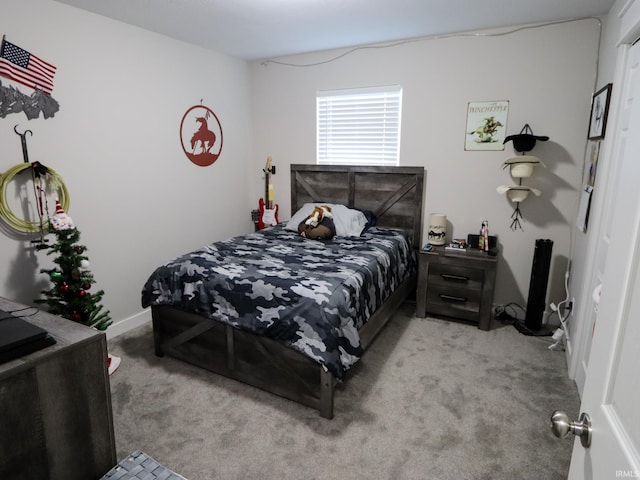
{"points": [[457, 284], [19, 337], [55, 404]]}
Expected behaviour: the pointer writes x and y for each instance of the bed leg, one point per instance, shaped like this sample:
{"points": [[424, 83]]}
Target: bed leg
{"points": [[157, 341], [326, 394], [231, 351]]}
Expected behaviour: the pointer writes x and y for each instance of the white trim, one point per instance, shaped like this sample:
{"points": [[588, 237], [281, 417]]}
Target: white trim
{"points": [[128, 324], [630, 22], [358, 90]]}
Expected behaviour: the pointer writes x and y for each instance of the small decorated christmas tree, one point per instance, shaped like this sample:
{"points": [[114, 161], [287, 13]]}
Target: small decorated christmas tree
{"points": [[70, 295]]}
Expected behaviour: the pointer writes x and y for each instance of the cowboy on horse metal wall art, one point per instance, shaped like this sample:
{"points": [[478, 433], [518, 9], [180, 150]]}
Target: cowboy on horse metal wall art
{"points": [[203, 135], [202, 144]]}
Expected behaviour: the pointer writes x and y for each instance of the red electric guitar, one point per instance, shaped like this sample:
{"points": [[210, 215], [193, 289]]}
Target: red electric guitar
{"points": [[268, 211]]}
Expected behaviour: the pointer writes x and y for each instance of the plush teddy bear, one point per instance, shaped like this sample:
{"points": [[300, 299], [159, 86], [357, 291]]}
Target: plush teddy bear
{"points": [[319, 224]]}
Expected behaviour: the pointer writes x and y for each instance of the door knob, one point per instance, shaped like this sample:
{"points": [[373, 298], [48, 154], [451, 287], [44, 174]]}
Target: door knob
{"points": [[561, 426]]}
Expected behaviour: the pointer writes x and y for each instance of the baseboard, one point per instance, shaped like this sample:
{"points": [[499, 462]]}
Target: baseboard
{"points": [[128, 324]]}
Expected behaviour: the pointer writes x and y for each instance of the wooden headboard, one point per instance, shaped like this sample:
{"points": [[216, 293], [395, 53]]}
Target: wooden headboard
{"points": [[394, 194]]}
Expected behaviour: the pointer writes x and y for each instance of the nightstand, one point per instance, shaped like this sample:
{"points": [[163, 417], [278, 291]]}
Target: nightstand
{"points": [[456, 284]]}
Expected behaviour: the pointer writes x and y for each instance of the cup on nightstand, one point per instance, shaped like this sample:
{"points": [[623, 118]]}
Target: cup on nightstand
{"points": [[437, 229]]}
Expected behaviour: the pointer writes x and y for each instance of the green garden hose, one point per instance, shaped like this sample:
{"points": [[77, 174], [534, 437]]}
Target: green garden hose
{"points": [[9, 217]]}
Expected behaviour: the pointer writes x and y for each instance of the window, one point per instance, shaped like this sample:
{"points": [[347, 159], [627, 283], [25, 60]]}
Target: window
{"points": [[359, 126]]}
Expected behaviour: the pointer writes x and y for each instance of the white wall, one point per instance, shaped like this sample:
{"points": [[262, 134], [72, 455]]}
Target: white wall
{"points": [[135, 197], [547, 73]]}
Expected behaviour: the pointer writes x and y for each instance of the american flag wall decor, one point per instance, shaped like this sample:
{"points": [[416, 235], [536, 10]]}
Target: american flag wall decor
{"points": [[25, 68]]}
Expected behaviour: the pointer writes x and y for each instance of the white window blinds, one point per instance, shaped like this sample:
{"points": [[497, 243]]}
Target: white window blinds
{"points": [[359, 127]]}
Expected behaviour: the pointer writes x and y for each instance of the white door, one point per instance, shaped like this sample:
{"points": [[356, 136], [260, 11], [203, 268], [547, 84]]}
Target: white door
{"points": [[612, 384]]}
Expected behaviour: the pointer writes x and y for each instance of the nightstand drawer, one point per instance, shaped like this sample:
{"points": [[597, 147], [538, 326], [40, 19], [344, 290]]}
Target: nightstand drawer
{"points": [[456, 276], [448, 300]]}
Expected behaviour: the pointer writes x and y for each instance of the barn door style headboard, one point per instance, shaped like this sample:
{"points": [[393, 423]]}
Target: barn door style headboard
{"points": [[394, 194]]}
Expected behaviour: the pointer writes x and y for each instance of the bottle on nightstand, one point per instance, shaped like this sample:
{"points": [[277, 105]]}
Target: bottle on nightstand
{"points": [[485, 235]]}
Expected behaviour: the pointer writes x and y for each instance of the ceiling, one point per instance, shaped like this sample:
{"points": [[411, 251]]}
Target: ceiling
{"points": [[261, 29]]}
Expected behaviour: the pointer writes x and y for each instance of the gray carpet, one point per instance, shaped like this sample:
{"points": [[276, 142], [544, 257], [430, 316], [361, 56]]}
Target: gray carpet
{"points": [[431, 399]]}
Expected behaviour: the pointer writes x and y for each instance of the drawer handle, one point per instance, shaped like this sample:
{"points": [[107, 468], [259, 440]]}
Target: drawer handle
{"points": [[452, 298], [459, 278]]}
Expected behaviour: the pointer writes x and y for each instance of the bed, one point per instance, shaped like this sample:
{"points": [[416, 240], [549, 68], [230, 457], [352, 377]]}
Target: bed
{"points": [[291, 315]]}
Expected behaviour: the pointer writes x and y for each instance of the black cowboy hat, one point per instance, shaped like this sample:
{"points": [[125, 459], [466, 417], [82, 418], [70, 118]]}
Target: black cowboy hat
{"points": [[525, 140]]}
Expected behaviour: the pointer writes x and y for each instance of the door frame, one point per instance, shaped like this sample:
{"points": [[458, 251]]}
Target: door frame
{"points": [[577, 353]]}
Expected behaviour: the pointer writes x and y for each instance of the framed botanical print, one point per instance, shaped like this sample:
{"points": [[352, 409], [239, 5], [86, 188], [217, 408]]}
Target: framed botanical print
{"points": [[599, 112]]}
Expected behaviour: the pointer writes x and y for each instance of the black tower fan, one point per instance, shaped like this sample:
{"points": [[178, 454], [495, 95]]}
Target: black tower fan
{"points": [[537, 289]]}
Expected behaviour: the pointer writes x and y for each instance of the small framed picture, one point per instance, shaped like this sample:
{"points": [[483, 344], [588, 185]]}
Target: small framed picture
{"points": [[599, 112], [486, 125]]}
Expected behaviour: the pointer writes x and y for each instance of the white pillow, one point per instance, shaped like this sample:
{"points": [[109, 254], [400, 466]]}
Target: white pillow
{"points": [[348, 222]]}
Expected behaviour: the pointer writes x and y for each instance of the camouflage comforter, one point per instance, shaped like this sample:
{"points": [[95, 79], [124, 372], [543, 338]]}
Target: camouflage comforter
{"points": [[309, 295]]}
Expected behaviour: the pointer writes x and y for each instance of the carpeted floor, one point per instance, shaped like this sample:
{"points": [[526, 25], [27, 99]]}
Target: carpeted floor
{"points": [[431, 399]]}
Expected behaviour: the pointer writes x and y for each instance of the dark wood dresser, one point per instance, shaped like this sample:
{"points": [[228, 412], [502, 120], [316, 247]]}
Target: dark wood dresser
{"points": [[456, 284], [55, 405]]}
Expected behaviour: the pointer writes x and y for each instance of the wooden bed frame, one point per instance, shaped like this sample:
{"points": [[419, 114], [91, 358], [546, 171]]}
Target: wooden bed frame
{"points": [[395, 195]]}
